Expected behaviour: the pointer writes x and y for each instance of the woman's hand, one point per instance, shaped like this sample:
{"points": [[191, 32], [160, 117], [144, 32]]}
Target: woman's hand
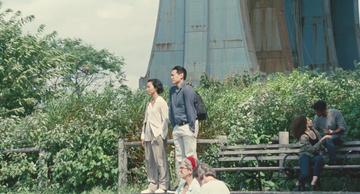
{"points": [[325, 137], [329, 132]]}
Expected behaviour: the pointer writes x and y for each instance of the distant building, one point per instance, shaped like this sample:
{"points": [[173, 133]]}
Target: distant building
{"points": [[221, 38]]}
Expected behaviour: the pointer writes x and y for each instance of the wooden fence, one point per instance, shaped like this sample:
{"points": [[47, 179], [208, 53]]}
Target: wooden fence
{"points": [[123, 159]]}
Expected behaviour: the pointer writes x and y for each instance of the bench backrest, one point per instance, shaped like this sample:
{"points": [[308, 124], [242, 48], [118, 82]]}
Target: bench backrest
{"points": [[268, 152]]}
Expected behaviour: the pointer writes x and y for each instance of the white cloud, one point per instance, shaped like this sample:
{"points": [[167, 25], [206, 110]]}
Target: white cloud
{"points": [[125, 27]]}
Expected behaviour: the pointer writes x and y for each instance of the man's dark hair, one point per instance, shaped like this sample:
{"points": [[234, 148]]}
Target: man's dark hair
{"points": [[157, 85], [320, 105], [298, 126], [180, 70]]}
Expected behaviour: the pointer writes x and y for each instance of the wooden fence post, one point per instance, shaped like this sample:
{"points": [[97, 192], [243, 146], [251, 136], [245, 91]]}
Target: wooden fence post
{"points": [[122, 164], [283, 139], [43, 170]]}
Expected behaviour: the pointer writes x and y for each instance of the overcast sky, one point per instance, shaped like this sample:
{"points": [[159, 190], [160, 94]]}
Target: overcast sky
{"points": [[124, 27]]}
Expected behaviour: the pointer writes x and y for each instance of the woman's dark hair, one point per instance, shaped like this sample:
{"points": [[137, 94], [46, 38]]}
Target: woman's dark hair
{"points": [[157, 85], [298, 126], [180, 70]]}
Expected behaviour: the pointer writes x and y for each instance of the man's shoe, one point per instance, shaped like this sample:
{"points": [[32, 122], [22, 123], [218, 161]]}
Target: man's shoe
{"points": [[314, 187], [160, 191], [147, 191], [300, 187]]}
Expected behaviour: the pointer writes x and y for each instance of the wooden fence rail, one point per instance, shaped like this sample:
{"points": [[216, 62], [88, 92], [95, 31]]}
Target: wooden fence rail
{"points": [[123, 160]]}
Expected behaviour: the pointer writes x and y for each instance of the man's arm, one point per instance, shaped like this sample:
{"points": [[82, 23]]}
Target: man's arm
{"points": [[340, 123], [189, 98], [171, 111]]}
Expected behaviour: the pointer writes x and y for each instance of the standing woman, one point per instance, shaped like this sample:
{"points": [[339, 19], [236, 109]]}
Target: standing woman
{"points": [[311, 161], [153, 138]]}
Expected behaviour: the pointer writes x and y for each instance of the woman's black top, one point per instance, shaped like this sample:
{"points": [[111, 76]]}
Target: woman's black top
{"points": [[313, 141]]}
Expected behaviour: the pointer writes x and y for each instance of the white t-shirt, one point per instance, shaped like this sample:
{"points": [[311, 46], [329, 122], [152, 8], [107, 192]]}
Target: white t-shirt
{"points": [[214, 187], [194, 187]]}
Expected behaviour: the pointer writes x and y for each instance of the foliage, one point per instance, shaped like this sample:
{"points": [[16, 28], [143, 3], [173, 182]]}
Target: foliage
{"points": [[255, 113], [85, 65], [80, 134], [45, 102], [35, 67], [25, 64]]}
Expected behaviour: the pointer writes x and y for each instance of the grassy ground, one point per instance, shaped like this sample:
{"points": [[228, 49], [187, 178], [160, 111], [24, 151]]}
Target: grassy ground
{"points": [[93, 191]]}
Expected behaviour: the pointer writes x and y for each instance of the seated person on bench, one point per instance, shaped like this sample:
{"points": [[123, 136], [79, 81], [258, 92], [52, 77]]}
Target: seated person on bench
{"points": [[329, 122], [309, 157]]}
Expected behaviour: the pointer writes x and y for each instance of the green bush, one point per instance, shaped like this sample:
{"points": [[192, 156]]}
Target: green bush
{"points": [[80, 134], [254, 113], [80, 137]]}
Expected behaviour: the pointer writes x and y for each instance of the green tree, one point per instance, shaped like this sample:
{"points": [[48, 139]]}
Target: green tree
{"points": [[34, 67], [26, 63], [85, 65]]}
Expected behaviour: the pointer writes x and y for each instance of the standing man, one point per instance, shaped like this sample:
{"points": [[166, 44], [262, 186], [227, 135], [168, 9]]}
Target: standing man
{"points": [[182, 115], [329, 122]]}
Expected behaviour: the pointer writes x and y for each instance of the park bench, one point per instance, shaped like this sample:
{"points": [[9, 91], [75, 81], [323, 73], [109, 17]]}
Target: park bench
{"points": [[280, 157]]}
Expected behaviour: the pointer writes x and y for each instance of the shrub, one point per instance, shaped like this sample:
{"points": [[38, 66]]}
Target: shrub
{"points": [[80, 134]]}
